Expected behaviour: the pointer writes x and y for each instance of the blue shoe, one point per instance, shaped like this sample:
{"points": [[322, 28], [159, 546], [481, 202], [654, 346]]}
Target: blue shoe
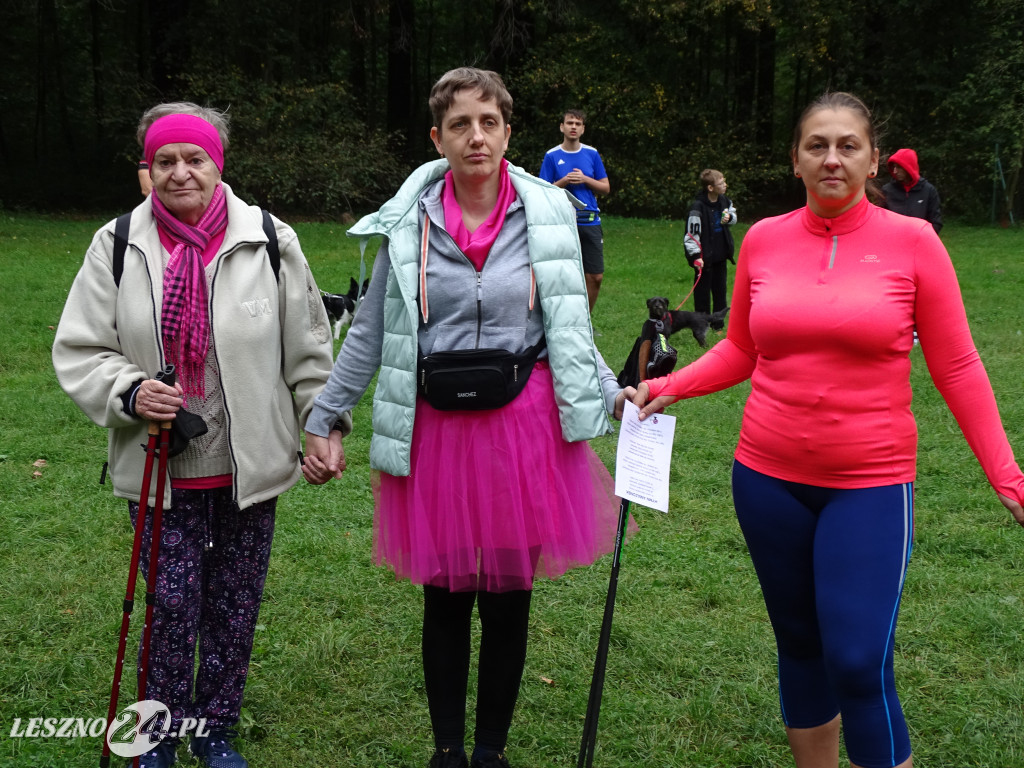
{"points": [[162, 756], [215, 750]]}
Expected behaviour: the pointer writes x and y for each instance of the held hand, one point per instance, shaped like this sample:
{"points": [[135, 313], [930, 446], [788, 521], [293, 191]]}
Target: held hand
{"points": [[316, 459], [337, 462], [657, 405], [641, 394], [620, 401], [325, 458], [1015, 508], [155, 401], [698, 263]]}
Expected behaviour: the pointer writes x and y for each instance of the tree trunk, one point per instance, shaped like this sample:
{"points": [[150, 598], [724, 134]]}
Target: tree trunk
{"points": [[1013, 183], [97, 78], [764, 116], [401, 38], [42, 85], [169, 43], [510, 37], [357, 53]]}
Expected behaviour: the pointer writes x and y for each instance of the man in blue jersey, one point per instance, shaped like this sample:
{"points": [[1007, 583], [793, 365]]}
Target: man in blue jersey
{"points": [[577, 167]]}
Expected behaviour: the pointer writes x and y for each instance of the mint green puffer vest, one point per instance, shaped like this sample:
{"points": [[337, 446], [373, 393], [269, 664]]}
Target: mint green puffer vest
{"points": [[554, 253]]}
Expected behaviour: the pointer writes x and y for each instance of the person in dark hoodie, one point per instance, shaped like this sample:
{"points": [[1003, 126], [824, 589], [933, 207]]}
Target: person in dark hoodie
{"points": [[908, 193], [709, 244]]}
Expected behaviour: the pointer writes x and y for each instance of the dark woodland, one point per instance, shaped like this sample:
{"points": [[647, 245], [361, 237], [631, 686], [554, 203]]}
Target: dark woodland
{"points": [[328, 99]]}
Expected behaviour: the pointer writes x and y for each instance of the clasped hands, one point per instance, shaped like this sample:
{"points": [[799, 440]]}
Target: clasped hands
{"points": [[575, 176], [324, 458]]}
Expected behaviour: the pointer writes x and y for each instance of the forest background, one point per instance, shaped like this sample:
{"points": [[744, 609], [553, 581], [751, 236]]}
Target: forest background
{"points": [[328, 97]]}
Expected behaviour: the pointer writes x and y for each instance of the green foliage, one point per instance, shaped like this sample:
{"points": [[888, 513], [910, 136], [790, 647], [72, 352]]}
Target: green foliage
{"points": [[985, 116], [329, 98], [300, 146], [656, 133]]}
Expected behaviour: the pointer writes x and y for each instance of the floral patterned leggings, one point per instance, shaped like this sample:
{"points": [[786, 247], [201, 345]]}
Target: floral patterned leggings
{"points": [[212, 566]]}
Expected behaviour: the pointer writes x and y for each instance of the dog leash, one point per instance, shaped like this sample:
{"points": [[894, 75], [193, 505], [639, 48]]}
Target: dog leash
{"points": [[700, 271]]}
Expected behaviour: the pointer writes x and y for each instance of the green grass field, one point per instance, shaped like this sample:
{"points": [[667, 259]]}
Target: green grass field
{"points": [[336, 679]]}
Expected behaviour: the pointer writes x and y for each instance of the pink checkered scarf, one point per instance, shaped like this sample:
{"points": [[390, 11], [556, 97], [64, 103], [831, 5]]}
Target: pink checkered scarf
{"points": [[184, 318]]}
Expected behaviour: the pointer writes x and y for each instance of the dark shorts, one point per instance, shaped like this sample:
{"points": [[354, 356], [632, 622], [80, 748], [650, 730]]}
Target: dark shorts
{"points": [[592, 243]]}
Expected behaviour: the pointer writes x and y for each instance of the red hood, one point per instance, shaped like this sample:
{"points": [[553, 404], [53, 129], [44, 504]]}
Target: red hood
{"points": [[907, 160]]}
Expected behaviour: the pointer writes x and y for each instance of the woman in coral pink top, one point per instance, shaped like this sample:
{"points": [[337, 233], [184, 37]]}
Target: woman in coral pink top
{"points": [[825, 465]]}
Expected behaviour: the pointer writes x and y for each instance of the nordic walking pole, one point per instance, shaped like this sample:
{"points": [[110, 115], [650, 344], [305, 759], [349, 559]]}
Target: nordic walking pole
{"points": [[167, 377], [586, 757], [154, 552], [133, 574]]}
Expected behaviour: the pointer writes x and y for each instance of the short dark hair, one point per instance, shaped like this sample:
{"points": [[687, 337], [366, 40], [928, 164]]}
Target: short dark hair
{"points": [[489, 83], [579, 114]]}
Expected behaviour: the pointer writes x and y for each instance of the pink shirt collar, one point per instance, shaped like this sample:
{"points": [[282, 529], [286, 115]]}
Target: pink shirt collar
{"points": [[845, 222], [477, 244]]}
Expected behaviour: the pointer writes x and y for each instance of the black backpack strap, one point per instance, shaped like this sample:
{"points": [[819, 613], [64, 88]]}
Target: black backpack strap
{"points": [[121, 227], [273, 252], [124, 222]]}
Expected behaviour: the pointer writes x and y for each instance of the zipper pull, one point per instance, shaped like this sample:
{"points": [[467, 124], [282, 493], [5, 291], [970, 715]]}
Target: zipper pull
{"points": [[515, 372], [479, 306]]}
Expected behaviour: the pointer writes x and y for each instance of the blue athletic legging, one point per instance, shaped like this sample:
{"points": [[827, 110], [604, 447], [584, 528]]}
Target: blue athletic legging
{"points": [[831, 563]]}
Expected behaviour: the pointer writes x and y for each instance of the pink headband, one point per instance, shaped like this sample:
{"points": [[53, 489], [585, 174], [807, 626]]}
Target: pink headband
{"points": [[184, 129]]}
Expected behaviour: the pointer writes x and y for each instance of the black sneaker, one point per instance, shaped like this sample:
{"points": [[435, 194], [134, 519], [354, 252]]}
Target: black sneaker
{"points": [[450, 757], [215, 750], [493, 760], [161, 756]]}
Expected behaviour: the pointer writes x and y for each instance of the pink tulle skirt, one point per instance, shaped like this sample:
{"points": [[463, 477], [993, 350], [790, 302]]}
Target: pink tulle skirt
{"points": [[495, 498]]}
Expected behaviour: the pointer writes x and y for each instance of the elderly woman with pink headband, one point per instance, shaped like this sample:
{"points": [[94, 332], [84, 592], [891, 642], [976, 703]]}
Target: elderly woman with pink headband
{"points": [[251, 348]]}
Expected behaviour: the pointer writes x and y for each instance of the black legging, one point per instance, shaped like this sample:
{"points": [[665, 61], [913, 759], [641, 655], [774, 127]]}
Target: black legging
{"points": [[711, 288], [504, 620]]}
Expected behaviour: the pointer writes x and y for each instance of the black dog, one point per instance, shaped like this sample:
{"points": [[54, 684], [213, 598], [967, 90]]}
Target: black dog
{"points": [[677, 319], [341, 307]]}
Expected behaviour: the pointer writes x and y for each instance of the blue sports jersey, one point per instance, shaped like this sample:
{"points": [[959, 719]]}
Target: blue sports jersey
{"points": [[557, 163]]}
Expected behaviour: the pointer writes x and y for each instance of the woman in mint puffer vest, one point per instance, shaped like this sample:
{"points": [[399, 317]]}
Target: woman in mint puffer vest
{"points": [[474, 505]]}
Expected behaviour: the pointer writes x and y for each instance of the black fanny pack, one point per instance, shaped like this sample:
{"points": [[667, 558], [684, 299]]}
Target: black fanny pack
{"points": [[474, 379]]}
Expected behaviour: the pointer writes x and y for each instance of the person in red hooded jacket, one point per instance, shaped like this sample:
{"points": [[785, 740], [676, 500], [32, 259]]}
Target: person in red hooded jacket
{"points": [[908, 192]]}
